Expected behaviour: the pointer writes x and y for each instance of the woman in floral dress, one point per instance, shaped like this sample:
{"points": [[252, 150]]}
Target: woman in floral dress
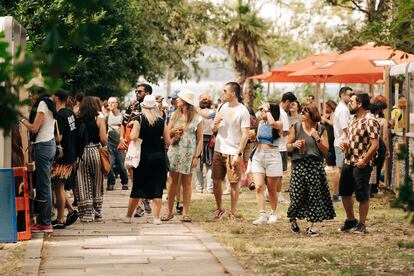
{"points": [[186, 130]]}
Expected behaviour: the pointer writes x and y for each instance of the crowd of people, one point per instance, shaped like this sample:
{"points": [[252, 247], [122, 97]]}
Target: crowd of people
{"points": [[219, 143]]}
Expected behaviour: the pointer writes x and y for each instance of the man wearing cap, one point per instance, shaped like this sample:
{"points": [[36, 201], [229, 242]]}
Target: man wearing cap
{"points": [[232, 123], [173, 105]]}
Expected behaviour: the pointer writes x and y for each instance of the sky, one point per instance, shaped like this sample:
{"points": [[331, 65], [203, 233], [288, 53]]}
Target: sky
{"points": [[219, 75]]}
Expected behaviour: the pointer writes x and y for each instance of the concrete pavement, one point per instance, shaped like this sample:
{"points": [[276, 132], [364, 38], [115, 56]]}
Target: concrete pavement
{"points": [[116, 248]]}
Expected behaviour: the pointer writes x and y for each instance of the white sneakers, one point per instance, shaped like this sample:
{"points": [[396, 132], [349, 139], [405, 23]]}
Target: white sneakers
{"points": [[156, 221], [262, 219], [272, 219]]}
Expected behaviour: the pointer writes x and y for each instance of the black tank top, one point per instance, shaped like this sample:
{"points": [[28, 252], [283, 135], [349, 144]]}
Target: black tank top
{"points": [[93, 131]]}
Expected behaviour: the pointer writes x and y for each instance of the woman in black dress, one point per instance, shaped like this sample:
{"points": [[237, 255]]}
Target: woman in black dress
{"points": [[151, 174]]}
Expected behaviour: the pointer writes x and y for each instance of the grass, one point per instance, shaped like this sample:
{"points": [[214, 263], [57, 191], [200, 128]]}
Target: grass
{"points": [[388, 248]]}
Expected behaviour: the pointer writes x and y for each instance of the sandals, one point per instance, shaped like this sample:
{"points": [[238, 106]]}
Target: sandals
{"points": [[167, 217], [186, 219]]}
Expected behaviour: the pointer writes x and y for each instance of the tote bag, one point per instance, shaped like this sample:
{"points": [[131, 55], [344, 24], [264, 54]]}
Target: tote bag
{"points": [[133, 155]]}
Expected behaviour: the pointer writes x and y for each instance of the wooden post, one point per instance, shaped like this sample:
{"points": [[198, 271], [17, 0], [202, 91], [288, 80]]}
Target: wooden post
{"points": [[318, 95], [387, 94]]}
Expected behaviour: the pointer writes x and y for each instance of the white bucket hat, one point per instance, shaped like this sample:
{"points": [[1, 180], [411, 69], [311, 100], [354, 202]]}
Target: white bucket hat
{"points": [[187, 96], [149, 102]]}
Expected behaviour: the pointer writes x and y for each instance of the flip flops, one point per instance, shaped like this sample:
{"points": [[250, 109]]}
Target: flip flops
{"points": [[167, 217], [186, 219]]}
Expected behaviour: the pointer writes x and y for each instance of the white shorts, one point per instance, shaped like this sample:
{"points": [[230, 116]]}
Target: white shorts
{"points": [[267, 161]]}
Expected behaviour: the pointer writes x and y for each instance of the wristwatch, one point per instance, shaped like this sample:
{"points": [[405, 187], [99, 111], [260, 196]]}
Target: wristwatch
{"points": [[240, 153], [318, 140]]}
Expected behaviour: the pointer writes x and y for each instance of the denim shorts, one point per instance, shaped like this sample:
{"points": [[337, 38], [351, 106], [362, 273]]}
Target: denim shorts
{"points": [[339, 157], [267, 161]]}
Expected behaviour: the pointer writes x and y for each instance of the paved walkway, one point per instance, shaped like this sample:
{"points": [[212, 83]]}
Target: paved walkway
{"points": [[115, 248]]}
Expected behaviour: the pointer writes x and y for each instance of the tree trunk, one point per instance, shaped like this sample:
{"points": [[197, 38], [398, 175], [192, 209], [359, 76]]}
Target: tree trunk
{"points": [[248, 93]]}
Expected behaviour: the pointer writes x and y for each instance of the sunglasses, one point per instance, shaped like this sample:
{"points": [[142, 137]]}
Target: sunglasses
{"points": [[303, 112], [139, 91]]}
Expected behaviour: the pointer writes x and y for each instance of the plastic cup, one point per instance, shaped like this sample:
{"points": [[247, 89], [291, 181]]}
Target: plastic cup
{"points": [[302, 146]]}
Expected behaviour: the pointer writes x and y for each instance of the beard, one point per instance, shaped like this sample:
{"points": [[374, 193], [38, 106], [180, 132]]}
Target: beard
{"points": [[353, 111]]}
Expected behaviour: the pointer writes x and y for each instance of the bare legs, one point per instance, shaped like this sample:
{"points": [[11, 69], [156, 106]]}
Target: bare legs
{"points": [[156, 207], [132, 205], [348, 203], [234, 197], [187, 190], [272, 185], [61, 197], [218, 191]]}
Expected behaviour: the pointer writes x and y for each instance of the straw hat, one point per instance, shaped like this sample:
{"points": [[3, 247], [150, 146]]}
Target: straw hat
{"points": [[149, 102], [187, 96]]}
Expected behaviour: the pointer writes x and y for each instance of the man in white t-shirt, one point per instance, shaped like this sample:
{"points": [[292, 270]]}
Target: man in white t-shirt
{"points": [[340, 124], [232, 123], [287, 99]]}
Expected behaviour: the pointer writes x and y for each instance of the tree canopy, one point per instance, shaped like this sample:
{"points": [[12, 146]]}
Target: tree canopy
{"points": [[130, 38]]}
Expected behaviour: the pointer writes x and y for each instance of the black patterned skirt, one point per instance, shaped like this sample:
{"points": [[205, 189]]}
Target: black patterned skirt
{"points": [[309, 192]]}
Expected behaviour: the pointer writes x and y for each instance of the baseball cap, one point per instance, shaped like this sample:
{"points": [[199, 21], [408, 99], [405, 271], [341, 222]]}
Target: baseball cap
{"points": [[174, 95]]}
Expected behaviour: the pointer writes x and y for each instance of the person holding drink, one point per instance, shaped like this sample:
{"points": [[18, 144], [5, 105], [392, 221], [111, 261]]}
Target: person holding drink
{"points": [[266, 161], [360, 146], [309, 193], [186, 130]]}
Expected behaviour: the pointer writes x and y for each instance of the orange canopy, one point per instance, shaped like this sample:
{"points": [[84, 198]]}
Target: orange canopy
{"points": [[363, 64], [281, 74], [305, 63], [260, 76]]}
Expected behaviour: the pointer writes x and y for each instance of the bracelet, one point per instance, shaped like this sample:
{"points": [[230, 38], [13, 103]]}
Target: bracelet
{"points": [[21, 120]]}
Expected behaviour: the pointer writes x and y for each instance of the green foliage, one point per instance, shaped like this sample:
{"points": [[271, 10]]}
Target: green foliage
{"points": [[98, 46], [405, 198], [397, 33], [101, 47], [12, 77], [390, 23]]}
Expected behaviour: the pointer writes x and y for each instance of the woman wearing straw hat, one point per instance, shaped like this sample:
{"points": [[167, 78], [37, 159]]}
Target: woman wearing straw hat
{"points": [[186, 130], [147, 183]]}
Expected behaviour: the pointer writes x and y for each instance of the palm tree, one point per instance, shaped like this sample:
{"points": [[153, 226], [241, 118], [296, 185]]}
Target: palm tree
{"points": [[243, 31]]}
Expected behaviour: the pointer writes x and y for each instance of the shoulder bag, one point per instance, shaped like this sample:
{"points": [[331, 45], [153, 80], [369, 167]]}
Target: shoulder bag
{"points": [[133, 156]]}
